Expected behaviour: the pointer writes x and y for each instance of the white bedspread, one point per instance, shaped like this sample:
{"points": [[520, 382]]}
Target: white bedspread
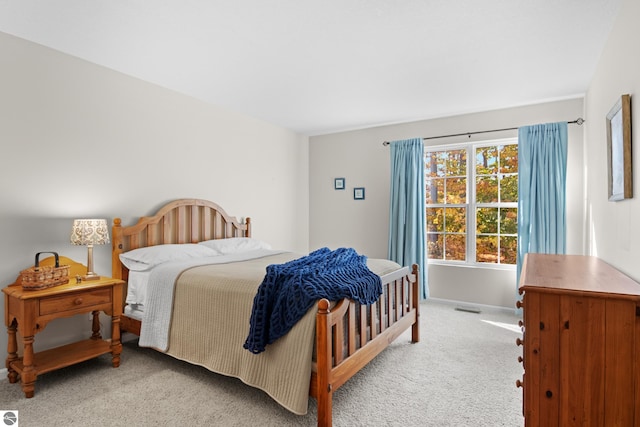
{"points": [[157, 315]]}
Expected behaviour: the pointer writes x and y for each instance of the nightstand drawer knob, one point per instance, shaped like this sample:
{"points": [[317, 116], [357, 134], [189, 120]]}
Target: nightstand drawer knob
{"points": [[77, 301]]}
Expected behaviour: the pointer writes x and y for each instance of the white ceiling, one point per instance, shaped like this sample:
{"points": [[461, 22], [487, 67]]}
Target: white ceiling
{"points": [[321, 66]]}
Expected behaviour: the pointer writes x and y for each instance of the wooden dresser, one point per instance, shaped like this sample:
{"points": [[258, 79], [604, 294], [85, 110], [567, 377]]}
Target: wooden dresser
{"points": [[581, 341]]}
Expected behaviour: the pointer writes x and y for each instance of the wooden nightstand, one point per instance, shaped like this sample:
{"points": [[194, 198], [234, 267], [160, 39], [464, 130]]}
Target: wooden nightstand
{"points": [[28, 312]]}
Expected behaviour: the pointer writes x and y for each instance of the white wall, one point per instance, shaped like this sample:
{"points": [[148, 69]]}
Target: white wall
{"points": [[79, 140], [359, 156], [613, 227]]}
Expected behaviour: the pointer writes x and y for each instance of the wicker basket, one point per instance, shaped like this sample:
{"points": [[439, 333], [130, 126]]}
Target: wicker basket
{"points": [[38, 277]]}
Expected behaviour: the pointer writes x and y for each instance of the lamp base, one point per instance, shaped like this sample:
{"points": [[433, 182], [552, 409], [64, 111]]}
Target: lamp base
{"points": [[91, 276]]}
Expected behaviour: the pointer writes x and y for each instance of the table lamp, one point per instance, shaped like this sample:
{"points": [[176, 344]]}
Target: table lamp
{"points": [[90, 232]]}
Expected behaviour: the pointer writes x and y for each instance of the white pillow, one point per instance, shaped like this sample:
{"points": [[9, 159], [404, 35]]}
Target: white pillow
{"points": [[235, 245], [145, 258]]}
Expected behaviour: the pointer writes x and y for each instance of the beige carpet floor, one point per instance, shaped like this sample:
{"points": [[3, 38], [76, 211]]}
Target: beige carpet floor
{"points": [[462, 373]]}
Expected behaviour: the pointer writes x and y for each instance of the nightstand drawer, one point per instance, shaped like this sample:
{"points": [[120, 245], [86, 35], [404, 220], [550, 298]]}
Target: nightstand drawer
{"points": [[74, 301]]}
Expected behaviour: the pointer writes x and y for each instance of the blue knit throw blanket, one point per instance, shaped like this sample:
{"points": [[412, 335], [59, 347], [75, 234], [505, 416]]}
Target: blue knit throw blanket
{"points": [[289, 290]]}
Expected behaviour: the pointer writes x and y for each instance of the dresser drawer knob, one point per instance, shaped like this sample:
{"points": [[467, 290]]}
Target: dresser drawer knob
{"points": [[519, 383], [77, 301], [519, 341], [519, 304]]}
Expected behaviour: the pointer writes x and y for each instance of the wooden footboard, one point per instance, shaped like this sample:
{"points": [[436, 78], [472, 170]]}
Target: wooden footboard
{"points": [[349, 335]]}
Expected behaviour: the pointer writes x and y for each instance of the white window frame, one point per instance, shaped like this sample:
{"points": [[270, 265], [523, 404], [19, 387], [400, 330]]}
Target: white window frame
{"points": [[471, 204]]}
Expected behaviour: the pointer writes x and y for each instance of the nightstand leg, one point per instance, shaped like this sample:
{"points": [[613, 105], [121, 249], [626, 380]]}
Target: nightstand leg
{"points": [[12, 350], [95, 326], [29, 374], [116, 345]]}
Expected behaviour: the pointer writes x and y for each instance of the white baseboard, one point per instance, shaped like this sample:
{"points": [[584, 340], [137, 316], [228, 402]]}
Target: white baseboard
{"points": [[473, 306], [3, 374]]}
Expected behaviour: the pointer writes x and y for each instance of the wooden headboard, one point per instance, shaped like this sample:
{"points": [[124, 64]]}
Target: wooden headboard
{"points": [[180, 221]]}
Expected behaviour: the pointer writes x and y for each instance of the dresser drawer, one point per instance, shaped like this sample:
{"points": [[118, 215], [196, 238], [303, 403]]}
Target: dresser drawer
{"points": [[75, 301]]}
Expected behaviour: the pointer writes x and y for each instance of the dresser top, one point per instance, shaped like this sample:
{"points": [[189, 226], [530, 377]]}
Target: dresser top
{"points": [[580, 273]]}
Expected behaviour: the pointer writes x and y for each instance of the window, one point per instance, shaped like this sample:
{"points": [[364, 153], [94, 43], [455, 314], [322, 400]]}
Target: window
{"points": [[472, 202]]}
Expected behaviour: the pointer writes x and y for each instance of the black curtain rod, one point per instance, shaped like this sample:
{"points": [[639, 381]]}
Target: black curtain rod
{"points": [[578, 121]]}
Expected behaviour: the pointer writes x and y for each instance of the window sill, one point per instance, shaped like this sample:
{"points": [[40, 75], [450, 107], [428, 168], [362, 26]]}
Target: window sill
{"points": [[482, 266]]}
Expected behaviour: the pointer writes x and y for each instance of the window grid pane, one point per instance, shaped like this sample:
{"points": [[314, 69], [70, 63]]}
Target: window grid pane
{"points": [[456, 247]]}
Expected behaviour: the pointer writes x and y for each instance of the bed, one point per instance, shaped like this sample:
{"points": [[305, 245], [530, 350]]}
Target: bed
{"points": [[335, 339]]}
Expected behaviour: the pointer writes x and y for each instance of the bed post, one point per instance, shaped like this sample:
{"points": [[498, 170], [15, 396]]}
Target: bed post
{"points": [[415, 290], [116, 250], [324, 393], [247, 233]]}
